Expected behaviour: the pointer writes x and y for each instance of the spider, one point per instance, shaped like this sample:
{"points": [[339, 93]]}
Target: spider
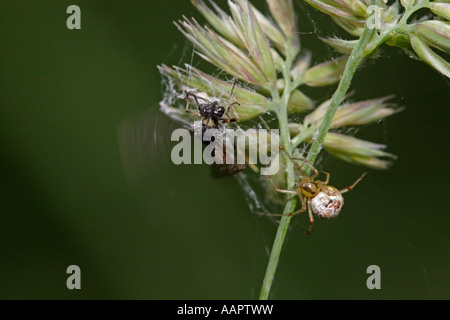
{"points": [[211, 112], [323, 200]]}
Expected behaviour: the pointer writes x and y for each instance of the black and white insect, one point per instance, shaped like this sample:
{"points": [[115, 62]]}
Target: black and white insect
{"points": [[213, 114]]}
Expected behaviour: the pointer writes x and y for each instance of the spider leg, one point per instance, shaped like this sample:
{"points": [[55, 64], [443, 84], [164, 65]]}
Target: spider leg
{"points": [[316, 173], [327, 179], [311, 218], [292, 159], [280, 214], [280, 190], [353, 185], [302, 199], [303, 208]]}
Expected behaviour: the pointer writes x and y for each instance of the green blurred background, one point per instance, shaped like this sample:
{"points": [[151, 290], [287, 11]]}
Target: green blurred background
{"points": [[70, 98]]}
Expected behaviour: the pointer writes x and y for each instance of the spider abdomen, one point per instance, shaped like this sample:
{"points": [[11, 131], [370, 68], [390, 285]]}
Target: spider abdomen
{"points": [[327, 205]]}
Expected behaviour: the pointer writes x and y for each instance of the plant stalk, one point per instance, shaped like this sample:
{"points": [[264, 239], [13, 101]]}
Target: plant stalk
{"points": [[353, 62], [355, 59], [285, 141]]}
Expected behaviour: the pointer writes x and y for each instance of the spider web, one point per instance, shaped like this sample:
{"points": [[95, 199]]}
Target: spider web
{"points": [[391, 215], [254, 187]]}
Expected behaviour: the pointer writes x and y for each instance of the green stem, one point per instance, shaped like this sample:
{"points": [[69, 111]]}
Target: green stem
{"points": [[400, 27], [305, 133], [356, 57], [285, 141], [353, 62]]}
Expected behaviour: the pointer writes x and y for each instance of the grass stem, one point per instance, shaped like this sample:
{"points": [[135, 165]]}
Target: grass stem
{"points": [[353, 62]]}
